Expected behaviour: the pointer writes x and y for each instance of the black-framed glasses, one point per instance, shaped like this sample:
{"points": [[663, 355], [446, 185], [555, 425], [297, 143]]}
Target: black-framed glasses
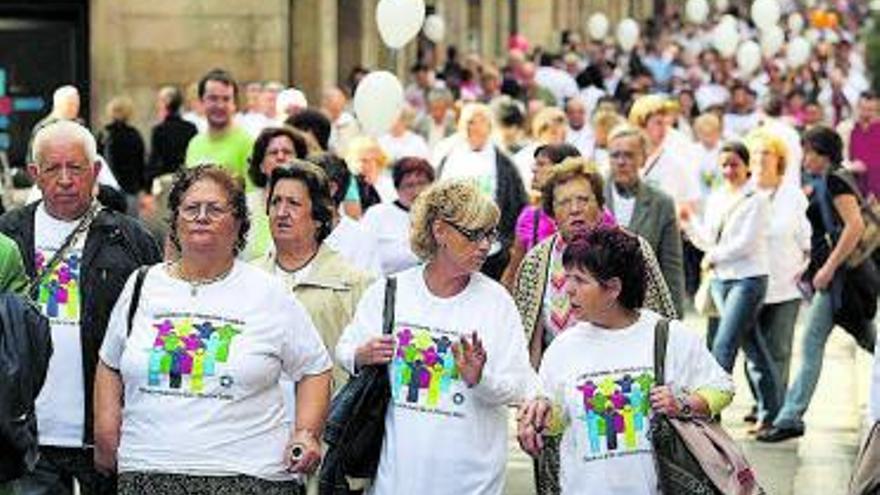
{"points": [[474, 235]]}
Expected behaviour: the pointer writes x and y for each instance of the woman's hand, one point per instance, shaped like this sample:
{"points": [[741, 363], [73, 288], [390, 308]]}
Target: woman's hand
{"points": [[470, 358], [532, 420], [378, 350], [822, 279], [303, 452], [663, 401]]}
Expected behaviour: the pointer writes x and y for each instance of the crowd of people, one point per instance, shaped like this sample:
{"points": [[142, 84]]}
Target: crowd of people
{"points": [[208, 293]]}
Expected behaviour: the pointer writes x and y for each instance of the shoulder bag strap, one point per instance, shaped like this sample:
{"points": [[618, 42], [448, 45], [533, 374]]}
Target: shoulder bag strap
{"points": [[136, 297], [388, 311], [69, 241], [536, 219], [729, 214], [661, 336], [650, 167]]}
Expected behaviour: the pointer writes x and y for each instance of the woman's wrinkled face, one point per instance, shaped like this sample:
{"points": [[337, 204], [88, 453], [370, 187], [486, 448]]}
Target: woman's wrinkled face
{"points": [[279, 151], [411, 186], [478, 130], [589, 297], [290, 213], [575, 207], [205, 219]]}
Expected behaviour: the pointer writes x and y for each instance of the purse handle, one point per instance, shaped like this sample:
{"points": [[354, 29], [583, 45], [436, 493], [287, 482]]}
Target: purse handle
{"points": [[388, 310], [661, 337]]}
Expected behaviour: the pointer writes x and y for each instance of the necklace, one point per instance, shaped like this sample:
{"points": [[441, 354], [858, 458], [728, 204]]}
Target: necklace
{"points": [[175, 269]]}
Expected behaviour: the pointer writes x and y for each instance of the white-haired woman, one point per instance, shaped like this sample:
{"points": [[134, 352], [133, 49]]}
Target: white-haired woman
{"points": [[475, 157], [452, 372]]}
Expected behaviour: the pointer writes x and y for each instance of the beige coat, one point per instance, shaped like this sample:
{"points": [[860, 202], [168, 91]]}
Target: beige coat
{"points": [[330, 293]]}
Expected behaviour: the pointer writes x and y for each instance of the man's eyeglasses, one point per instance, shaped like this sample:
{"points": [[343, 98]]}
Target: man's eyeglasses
{"points": [[212, 211], [474, 235]]}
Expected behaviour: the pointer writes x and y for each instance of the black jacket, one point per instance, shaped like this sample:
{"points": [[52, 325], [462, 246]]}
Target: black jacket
{"points": [[25, 349], [116, 245], [168, 144], [123, 148]]}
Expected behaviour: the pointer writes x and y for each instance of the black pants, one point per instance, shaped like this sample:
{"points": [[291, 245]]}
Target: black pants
{"points": [[58, 467]]}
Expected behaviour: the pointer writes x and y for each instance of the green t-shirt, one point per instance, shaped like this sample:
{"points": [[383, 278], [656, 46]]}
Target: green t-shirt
{"points": [[230, 150], [12, 275]]}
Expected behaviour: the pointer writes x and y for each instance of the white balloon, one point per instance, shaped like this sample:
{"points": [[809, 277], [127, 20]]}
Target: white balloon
{"points": [[628, 34], [598, 25], [765, 13], [795, 22], [697, 11], [731, 21], [378, 100], [748, 57], [721, 5], [798, 52], [435, 28], [874, 5], [772, 40], [399, 21], [725, 39]]}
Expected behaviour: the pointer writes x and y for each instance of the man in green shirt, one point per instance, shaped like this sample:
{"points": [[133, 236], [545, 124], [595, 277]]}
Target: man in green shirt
{"points": [[224, 143]]}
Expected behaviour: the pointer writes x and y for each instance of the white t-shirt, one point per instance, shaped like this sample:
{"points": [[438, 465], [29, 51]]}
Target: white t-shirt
{"points": [[61, 403], [524, 160], [671, 168], [623, 207], [442, 437], [477, 165], [390, 225], [788, 242], [584, 139], [408, 144], [356, 244], [599, 376], [201, 373]]}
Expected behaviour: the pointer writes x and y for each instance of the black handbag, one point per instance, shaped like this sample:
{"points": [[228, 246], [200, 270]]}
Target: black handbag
{"points": [[355, 427], [695, 456]]}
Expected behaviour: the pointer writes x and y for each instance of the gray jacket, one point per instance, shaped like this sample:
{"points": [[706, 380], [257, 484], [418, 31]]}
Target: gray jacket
{"points": [[655, 220]]}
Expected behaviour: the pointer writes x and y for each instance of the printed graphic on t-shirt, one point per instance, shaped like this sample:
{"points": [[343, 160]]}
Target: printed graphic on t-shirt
{"points": [[59, 295], [613, 411], [424, 375], [189, 354]]}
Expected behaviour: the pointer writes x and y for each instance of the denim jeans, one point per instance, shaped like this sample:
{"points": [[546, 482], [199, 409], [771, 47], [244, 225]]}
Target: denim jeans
{"points": [[739, 302], [820, 322], [776, 325]]}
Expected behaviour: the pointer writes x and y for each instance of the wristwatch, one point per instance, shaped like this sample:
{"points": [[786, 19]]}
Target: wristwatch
{"points": [[683, 402]]}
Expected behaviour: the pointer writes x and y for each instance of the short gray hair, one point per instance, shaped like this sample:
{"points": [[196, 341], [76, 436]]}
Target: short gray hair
{"points": [[440, 94], [65, 129], [626, 130]]}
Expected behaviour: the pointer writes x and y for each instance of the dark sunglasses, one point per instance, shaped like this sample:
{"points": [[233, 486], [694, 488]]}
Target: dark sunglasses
{"points": [[474, 235]]}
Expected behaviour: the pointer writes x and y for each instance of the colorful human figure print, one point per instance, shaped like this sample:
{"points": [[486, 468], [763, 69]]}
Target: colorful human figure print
{"points": [[59, 294], [184, 349], [613, 411], [423, 369]]}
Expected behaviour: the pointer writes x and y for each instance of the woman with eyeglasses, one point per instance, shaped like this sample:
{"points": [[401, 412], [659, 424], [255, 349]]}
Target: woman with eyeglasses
{"points": [[733, 234], [274, 147], [573, 195], [186, 392], [456, 354]]}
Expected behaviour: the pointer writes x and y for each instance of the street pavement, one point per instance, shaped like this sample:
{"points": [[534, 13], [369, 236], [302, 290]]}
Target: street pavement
{"points": [[818, 463]]}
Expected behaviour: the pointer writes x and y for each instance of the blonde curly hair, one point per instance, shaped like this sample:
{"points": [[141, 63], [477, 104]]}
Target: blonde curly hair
{"points": [[458, 201]]}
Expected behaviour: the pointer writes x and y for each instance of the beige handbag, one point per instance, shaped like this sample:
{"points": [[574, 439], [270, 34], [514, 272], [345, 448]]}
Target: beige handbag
{"points": [[866, 474], [703, 302]]}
